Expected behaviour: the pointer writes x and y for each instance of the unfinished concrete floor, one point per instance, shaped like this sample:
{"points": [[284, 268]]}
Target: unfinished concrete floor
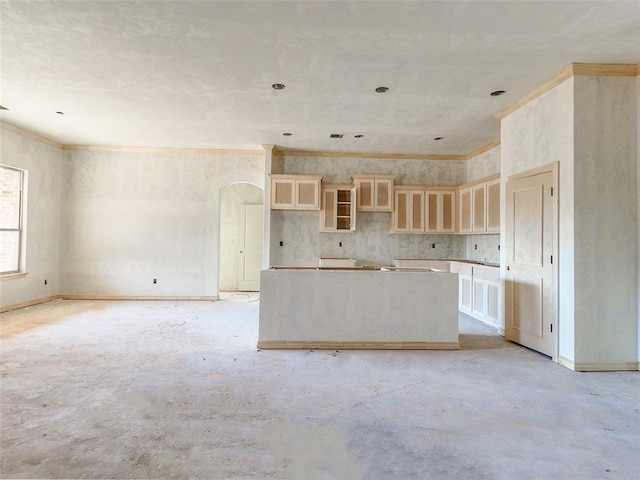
{"points": [[178, 390]]}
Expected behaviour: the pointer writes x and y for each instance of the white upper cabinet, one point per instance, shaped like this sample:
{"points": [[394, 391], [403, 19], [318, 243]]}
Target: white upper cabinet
{"points": [[440, 207], [419, 209], [374, 192], [408, 214], [479, 206], [338, 213], [295, 192]]}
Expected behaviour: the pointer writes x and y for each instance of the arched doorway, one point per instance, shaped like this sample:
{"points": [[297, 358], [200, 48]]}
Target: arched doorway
{"points": [[241, 238]]}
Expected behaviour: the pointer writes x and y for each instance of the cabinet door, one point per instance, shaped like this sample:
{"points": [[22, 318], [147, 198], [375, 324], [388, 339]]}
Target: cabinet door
{"points": [[366, 188], [447, 212], [416, 216], [440, 208], [465, 293], [401, 214], [383, 194], [432, 216], [353, 209], [493, 206], [479, 208], [465, 210], [328, 213], [493, 302], [479, 301], [307, 194], [283, 193]]}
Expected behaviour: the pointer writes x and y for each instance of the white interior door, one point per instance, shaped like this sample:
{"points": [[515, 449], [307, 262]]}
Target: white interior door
{"points": [[250, 247], [529, 288]]}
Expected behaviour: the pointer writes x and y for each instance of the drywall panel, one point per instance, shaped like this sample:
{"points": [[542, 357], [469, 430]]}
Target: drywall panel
{"points": [[371, 243], [537, 134], [44, 166], [231, 198], [132, 217], [358, 306], [606, 215]]}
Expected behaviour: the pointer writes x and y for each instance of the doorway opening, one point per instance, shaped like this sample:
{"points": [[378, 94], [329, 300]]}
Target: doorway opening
{"points": [[241, 237]]}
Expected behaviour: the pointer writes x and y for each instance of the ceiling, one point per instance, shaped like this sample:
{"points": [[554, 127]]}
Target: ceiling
{"points": [[198, 74]]}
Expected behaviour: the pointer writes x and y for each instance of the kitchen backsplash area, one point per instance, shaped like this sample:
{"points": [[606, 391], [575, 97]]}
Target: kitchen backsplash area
{"points": [[482, 248]]}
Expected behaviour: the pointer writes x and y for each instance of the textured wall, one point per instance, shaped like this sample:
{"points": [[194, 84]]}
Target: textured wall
{"points": [[483, 165], [606, 234], [44, 166], [537, 134], [371, 243], [132, 217], [231, 198]]}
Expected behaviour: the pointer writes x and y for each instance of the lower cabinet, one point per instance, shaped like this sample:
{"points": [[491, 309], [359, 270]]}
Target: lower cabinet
{"points": [[478, 291]]}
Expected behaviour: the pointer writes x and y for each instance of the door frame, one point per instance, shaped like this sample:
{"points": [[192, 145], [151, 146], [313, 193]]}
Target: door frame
{"points": [[554, 169], [219, 249]]}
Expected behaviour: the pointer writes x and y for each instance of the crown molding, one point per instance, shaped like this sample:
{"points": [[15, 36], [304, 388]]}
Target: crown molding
{"points": [[574, 69], [205, 151], [388, 156], [28, 134], [483, 149]]}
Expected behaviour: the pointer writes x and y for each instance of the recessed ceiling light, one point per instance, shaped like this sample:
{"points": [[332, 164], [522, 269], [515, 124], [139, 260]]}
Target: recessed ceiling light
{"points": [[3, 108], [439, 138], [497, 93], [336, 135], [60, 113], [358, 136], [287, 134], [278, 86], [382, 89]]}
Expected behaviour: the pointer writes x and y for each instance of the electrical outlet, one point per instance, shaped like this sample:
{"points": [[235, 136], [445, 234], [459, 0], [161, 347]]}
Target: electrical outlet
{"points": [[475, 247], [155, 280], [45, 281], [433, 245], [340, 243], [281, 243]]}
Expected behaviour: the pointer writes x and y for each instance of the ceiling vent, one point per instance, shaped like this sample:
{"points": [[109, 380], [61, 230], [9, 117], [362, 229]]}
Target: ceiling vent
{"points": [[336, 135]]}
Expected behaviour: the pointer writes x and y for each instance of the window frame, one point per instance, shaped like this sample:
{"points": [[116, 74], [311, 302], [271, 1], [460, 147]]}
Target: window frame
{"points": [[21, 223]]}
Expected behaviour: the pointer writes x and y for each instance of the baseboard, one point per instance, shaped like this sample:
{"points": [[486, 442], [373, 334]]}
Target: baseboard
{"points": [[320, 345], [30, 303], [38, 301], [598, 367], [212, 298]]}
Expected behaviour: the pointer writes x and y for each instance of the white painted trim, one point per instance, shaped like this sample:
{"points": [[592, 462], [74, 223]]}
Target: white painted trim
{"points": [[599, 367], [37, 301], [320, 345]]}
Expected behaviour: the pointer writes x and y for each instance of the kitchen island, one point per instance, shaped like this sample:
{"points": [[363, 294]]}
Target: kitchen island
{"points": [[358, 308]]}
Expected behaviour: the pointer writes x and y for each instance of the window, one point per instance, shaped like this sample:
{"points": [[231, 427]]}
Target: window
{"points": [[11, 219]]}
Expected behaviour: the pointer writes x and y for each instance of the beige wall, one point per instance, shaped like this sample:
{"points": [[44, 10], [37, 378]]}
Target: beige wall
{"points": [[44, 166], [133, 217], [606, 234], [588, 124]]}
